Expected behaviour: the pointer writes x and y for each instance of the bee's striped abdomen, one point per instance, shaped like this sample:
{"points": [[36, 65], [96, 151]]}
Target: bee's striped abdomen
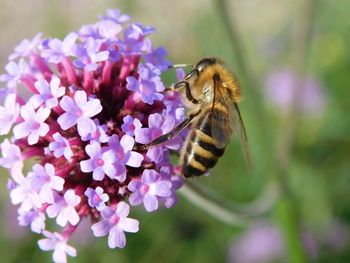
{"points": [[200, 152]]}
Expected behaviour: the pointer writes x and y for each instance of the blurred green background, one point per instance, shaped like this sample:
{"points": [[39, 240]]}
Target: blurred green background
{"points": [[300, 154]]}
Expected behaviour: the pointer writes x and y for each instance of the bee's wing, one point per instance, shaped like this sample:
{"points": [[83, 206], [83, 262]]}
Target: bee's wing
{"points": [[232, 122]]}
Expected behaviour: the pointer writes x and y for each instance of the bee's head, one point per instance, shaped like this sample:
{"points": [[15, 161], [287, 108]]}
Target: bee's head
{"points": [[205, 63]]}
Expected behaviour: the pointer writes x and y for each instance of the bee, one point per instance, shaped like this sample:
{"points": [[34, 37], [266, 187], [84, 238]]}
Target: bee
{"points": [[211, 93]]}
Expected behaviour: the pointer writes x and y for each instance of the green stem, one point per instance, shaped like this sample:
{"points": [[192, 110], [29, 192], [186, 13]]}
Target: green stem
{"points": [[288, 223], [229, 213]]}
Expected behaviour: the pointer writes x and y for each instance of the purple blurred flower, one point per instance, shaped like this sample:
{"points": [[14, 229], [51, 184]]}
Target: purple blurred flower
{"points": [[115, 222], [33, 125], [96, 198], [130, 125], [26, 47], [284, 86], [57, 243], [79, 111], [148, 189], [336, 235], [77, 106], [60, 146], [8, 113], [147, 86], [262, 243], [64, 208], [48, 93]]}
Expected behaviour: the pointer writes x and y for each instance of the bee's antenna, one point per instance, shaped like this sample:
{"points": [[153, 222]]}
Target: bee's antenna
{"points": [[180, 66]]}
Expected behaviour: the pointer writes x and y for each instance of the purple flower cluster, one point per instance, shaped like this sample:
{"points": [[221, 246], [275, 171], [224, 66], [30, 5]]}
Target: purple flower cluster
{"points": [[78, 106]]}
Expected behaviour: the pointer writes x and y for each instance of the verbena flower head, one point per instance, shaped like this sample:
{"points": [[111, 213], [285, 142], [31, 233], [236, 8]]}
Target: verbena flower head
{"points": [[78, 106]]}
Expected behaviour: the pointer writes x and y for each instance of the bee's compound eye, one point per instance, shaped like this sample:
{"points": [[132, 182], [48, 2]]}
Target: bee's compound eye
{"points": [[204, 63]]}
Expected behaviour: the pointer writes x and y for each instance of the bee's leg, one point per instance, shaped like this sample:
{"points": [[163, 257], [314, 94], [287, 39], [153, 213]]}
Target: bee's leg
{"points": [[168, 136]]}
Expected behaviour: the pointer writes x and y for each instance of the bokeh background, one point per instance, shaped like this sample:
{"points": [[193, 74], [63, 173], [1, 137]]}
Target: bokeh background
{"points": [[293, 62]]}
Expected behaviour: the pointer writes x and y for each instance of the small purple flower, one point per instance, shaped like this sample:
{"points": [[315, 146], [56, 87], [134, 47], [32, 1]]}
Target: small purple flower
{"points": [[15, 72], [108, 29], [57, 243], [99, 135], [8, 113], [79, 111], [33, 125], [147, 86], [116, 16], [48, 93], [64, 209], [148, 189], [60, 146], [58, 50], [176, 183], [130, 125], [34, 217], [44, 181], [125, 156], [90, 55], [156, 58], [101, 162], [134, 39], [96, 198], [25, 195], [115, 222], [12, 157], [26, 47]]}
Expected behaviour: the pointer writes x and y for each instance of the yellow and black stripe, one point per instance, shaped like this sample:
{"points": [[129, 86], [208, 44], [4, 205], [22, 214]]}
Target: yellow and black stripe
{"points": [[200, 150]]}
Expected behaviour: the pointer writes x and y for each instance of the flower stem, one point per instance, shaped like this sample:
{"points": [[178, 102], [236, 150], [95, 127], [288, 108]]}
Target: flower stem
{"points": [[231, 214]]}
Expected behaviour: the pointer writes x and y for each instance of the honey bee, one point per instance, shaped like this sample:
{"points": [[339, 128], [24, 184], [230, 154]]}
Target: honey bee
{"points": [[211, 93]]}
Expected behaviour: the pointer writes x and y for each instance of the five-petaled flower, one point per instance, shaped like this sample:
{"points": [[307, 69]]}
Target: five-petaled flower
{"points": [[64, 208], [58, 243], [115, 222], [148, 189], [79, 111], [34, 125]]}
